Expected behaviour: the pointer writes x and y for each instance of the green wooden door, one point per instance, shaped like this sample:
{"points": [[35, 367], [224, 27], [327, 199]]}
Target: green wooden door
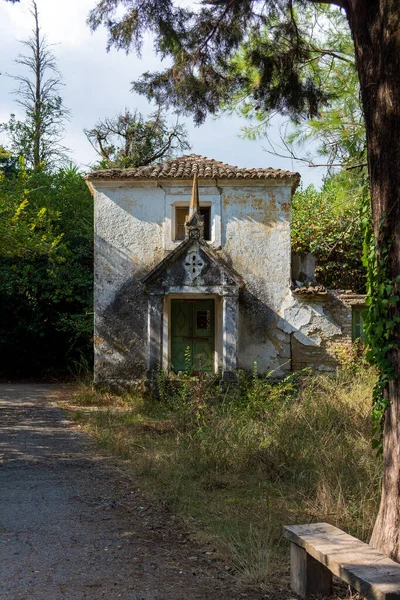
{"points": [[192, 335]]}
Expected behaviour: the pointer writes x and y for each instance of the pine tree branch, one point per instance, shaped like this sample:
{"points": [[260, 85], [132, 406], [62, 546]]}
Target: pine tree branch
{"points": [[290, 154], [215, 27], [327, 52]]}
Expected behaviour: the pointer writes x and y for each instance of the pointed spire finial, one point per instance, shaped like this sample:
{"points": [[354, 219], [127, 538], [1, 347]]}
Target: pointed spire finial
{"points": [[194, 225], [194, 206]]}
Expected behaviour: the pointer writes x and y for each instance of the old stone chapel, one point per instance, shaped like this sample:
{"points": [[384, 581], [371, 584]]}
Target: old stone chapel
{"points": [[193, 268]]}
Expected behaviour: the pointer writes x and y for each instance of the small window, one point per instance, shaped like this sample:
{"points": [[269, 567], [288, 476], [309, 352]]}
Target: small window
{"points": [[180, 219], [181, 213], [357, 323], [206, 213], [203, 319]]}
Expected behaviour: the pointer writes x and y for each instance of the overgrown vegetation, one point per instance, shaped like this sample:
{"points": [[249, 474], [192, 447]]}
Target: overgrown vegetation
{"points": [[46, 230], [238, 466], [46, 263], [46, 218], [330, 224], [381, 321]]}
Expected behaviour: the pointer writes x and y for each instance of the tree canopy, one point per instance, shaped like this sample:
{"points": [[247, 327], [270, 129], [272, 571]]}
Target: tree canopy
{"points": [[46, 231], [338, 129], [46, 264], [130, 140], [329, 224], [201, 44]]}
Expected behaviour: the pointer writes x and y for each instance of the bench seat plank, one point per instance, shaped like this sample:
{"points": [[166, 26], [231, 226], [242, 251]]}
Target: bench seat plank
{"points": [[365, 568]]}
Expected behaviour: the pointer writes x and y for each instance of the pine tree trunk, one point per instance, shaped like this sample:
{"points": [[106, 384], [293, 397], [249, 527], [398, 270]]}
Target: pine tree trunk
{"points": [[385, 536], [375, 25]]}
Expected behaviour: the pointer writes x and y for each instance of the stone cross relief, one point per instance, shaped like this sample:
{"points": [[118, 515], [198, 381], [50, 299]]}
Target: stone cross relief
{"points": [[194, 264]]}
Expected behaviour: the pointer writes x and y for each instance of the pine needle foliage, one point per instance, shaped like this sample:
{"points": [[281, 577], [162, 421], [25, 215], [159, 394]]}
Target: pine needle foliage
{"points": [[338, 130], [201, 45]]}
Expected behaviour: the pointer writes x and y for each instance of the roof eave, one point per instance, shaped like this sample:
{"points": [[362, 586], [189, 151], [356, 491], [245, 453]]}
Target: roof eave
{"points": [[100, 177]]}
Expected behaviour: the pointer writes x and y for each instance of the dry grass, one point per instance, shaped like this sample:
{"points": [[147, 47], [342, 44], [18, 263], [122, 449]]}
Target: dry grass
{"points": [[238, 469]]}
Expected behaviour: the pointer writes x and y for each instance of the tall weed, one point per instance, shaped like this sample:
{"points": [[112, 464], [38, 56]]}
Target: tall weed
{"points": [[243, 463]]}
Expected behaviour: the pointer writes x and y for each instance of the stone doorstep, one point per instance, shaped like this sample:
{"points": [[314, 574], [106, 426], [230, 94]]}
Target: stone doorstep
{"points": [[362, 566]]}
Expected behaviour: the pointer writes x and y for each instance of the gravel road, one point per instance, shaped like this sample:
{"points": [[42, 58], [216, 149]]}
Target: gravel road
{"points": [[74, 526]]}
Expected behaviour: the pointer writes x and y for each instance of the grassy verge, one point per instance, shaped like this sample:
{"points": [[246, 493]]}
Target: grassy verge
{"points": [[238, 467]]}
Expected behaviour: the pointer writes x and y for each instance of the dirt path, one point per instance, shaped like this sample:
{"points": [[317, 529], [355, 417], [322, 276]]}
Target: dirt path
{"points": [[73, 525]]}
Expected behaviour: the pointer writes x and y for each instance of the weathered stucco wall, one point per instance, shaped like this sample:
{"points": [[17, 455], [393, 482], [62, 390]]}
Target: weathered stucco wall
{"points": [[318, 327], [133, 228], [256, 240], [134, 223], [128, 242]]}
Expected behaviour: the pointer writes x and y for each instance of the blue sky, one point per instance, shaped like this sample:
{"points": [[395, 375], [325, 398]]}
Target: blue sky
{"points": [[97, 84]]}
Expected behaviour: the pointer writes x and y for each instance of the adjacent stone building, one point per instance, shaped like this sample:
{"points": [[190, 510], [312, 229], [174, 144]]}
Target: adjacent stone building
{"points": [[193, 268]]}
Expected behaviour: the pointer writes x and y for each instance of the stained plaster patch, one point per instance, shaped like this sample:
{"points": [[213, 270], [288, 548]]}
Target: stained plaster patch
{"points": [[309, 323]]}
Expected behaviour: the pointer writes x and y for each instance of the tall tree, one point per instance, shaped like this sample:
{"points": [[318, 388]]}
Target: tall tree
{"points": [[130, 140], [337, 131], [200, 45], [38, 137]]}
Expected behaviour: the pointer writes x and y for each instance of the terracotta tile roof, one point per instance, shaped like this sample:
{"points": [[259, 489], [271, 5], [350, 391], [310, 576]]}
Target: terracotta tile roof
{"points": [[185, 167], [311, 290]]}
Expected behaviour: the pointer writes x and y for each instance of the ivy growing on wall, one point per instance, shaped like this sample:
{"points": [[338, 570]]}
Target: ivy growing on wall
{"points": [[381, 317]]}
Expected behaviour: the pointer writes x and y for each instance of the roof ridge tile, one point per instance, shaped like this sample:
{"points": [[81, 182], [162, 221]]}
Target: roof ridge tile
{"points": [[184, 167]]}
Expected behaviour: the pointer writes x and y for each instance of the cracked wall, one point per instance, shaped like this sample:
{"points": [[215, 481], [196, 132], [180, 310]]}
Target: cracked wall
{"points": [[256, 241], [132, 234], [317, 326], [251, 229]]}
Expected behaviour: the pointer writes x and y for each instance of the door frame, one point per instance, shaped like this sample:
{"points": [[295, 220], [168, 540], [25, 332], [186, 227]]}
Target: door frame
{"points": [[166, 349]]}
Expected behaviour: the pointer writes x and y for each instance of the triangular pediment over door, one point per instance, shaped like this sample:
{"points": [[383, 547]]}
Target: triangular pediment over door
{"points": [[192, 269], [193, 264]]}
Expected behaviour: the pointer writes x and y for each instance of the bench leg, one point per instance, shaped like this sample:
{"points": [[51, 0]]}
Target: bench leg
{"points": [[307, 575]]}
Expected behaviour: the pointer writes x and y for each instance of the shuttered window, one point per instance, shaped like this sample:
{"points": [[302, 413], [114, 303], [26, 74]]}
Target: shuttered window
{"points": [[180, 218]]}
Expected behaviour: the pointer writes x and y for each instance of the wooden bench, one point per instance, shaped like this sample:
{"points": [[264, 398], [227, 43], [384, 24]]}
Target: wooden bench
{"points": [[320, 549]]}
